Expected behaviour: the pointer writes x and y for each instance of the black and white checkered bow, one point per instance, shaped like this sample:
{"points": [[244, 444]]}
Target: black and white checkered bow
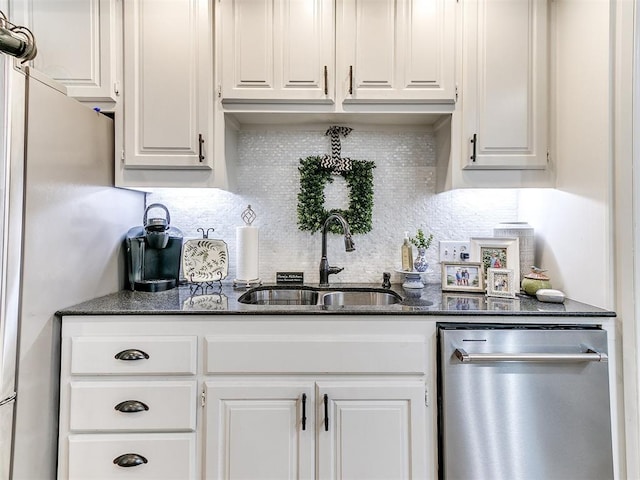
{"points": [[335, 162]]}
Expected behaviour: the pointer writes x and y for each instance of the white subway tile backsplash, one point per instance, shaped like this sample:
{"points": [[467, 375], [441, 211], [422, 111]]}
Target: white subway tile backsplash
{"points": [[404, 199]]}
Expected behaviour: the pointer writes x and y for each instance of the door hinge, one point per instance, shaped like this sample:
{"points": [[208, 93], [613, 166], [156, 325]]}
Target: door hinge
{"points": [[456, 92], [426, 397], [116, 88], [203, 398], [219, 90], [548, 156], [122, 156]]}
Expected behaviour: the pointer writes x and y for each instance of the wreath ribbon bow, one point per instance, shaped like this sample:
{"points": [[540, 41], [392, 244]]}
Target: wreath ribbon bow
{"points": [[335, 162]]}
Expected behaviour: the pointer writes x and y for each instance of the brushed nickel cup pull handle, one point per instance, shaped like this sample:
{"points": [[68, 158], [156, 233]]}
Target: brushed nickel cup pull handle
{"points": [[132, 354], [131, 406], [130, 460]]}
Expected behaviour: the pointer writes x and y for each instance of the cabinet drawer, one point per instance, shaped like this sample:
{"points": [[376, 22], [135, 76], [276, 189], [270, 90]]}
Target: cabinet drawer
{"points": [[141, 406], [160, 456], [316, 354], [145, 355]]}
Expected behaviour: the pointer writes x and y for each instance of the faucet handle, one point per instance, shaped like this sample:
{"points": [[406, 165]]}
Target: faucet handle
{"points": [[333, 270], [386, 280]]}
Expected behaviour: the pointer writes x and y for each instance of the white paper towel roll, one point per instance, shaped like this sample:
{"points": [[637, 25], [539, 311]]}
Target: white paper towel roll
{"points": [[247, 253]]}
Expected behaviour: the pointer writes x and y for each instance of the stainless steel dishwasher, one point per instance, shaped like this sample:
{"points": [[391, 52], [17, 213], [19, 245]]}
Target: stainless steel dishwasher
{"points": [[524, 403]]}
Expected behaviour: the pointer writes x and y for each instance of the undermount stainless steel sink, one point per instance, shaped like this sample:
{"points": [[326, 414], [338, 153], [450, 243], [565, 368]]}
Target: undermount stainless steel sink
{"points": [[360, 298], [279, 296], [311, 296]]}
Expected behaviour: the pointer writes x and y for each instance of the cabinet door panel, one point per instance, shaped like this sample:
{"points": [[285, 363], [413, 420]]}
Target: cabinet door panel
{"points": [[375, 431], [397, 50], [167, 83], [375, 31], [504, 84], [276, 49], [254, 430], [76, 44], [253, 29]]}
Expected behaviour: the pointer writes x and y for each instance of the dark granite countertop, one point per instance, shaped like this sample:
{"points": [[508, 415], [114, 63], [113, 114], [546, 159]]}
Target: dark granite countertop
{"points": [[224, 300]]}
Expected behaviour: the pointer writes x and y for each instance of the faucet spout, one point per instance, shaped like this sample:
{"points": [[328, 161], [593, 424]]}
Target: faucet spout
{"points": [[349, 246]]}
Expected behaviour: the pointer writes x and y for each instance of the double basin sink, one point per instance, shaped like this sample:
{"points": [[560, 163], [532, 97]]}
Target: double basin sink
{"points": [[287, 295]]}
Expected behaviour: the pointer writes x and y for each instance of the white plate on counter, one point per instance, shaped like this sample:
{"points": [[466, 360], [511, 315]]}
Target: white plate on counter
{"points": [[205, 260]]}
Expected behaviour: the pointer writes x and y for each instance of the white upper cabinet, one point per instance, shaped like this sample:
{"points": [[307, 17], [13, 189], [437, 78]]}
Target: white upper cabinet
{"points": [[277, 50], [77, 44], [396, 50], [168, 103], [365, 50], [504, 84]]}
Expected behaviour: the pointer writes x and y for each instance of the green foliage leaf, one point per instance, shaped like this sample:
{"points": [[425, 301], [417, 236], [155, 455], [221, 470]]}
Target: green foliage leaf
{"points": [[313, 179]]}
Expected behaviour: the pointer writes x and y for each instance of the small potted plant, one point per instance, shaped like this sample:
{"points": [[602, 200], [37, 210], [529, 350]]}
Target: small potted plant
{"points": [[422, 243]]}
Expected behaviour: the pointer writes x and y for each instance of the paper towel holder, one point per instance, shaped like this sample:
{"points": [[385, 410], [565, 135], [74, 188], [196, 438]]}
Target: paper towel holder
{"points": [[248, 217]]}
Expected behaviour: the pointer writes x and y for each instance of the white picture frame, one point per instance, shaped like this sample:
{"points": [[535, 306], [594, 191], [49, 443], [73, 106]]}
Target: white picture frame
{"points": [[505, 250], [470, 281], [501, 283]]}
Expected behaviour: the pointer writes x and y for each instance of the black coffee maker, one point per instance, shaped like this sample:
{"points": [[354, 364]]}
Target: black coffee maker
{"points": [[153, 253]]}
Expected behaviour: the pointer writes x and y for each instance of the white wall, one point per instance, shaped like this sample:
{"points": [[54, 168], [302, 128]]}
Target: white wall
{"points": [[573, 222], [404, 199]]}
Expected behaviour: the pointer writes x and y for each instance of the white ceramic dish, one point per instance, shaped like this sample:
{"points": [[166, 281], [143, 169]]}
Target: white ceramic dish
{"points": [[550, 295], [205, 260]]}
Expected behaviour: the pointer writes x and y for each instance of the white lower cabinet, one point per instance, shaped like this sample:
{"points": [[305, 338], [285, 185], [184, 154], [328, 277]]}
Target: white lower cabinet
{"points": [[128, 405], [247, 397], [259, 429], [371, 430], [353, 428]]}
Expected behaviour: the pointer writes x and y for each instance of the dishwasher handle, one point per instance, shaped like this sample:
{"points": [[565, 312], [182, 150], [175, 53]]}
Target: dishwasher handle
{"points": [[589, 356]]}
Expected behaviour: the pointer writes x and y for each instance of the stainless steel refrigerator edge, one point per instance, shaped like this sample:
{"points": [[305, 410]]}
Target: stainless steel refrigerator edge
{"points": [[524, 403], [62, 229]]}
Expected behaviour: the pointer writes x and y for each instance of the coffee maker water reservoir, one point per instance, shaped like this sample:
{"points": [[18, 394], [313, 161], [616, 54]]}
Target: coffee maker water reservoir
{"points": [[153, 253]]}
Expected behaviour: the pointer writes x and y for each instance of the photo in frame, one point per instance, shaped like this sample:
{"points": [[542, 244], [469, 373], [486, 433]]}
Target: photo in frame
{"points": [[496, 252], [501, 283], [462, 277]]}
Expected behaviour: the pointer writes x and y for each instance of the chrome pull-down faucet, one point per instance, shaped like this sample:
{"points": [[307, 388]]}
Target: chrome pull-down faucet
{"points": [[349, 246]]}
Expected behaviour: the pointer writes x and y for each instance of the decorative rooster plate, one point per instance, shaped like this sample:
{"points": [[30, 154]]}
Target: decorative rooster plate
{"points": [[204, 260]]}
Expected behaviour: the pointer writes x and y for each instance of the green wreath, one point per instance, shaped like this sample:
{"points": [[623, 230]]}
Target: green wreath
{"points": [[313, 179]]}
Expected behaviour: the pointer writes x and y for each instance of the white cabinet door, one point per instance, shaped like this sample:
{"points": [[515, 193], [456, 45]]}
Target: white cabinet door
{"points": [[504, 89], [168, 99], [372, 430], [256, 430], [396, 50], [277, 49], [76, 42]]}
